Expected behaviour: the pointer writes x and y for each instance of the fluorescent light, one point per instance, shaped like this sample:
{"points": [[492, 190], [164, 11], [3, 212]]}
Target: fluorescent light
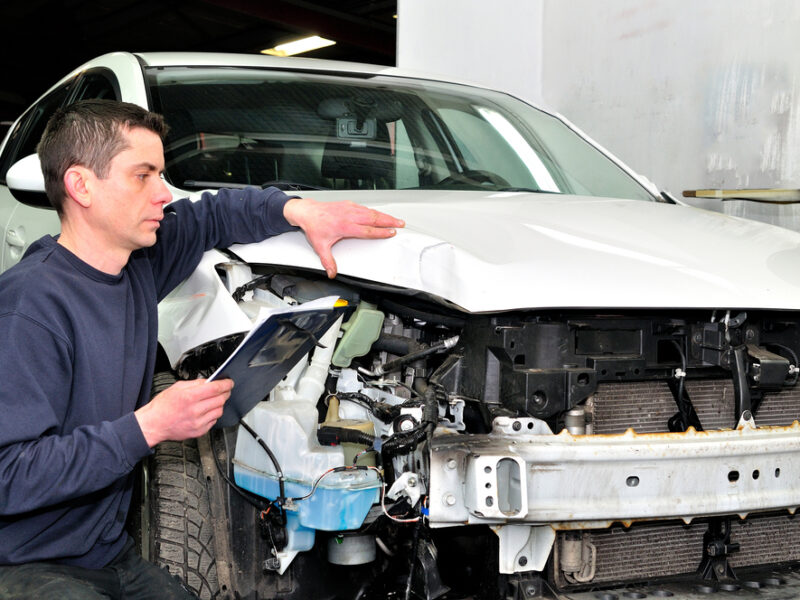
{"points": [[306, 44]]}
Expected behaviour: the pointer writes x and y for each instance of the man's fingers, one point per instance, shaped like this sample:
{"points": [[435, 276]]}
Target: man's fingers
{"points": [[219, 386], [374, 218], [324, 224], [380, 219], [328, 262], [199, 389], [206, 400], [375, 233]]}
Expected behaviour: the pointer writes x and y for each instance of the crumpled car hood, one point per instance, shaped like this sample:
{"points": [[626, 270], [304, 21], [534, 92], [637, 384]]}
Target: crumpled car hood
{"points": [[505, 251]]}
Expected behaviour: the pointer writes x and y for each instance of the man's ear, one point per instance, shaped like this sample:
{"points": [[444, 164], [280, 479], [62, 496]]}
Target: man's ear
{"points": [[78, 183]]}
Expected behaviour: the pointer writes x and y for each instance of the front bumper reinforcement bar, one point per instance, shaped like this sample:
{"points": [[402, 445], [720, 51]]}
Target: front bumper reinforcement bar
{"points": [[521, 473]]}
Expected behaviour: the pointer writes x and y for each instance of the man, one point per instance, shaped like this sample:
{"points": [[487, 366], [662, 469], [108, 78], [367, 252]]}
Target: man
{"points": [[78, 321]]}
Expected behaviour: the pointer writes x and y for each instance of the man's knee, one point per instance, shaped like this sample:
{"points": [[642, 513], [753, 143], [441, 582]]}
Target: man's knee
{"points": [[43, 582], [142, 580]]}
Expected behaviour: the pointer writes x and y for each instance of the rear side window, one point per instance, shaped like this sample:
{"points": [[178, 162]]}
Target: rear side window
{"points": [[22, 142], [99, 84], [29, 129]]}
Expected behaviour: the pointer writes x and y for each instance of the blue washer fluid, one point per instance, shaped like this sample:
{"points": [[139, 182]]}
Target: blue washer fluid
{"points": [[340, 502]]}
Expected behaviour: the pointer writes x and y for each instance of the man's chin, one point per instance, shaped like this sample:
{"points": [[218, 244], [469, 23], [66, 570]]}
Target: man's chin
{"points": [[148, 240]]}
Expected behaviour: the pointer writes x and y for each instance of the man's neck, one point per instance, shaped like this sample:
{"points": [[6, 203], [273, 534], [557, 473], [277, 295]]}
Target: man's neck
{"points": [[93, 252]]}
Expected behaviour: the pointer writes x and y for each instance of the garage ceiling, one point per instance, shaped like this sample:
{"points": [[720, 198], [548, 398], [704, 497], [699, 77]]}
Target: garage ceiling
{"points": [[42, 40]]}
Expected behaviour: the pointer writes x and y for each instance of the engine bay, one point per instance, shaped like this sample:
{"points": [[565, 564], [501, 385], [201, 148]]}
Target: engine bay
{"points": [[417, 439]]}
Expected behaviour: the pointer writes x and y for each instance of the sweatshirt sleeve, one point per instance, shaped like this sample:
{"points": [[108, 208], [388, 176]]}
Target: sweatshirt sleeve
{"points": [[41, 463], [219, 220]]}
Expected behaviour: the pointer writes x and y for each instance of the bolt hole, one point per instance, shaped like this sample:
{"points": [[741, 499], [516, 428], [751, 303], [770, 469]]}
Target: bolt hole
{"points": [[756, 474], [778, 472], [604, 372], [530, 424], [632, 481], [583, 379], [488, 486], [487, 469], [733, 476], [489, 501]]}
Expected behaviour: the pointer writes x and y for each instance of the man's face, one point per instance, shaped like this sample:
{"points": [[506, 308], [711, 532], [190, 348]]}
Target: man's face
{"points": [[129, 202]]}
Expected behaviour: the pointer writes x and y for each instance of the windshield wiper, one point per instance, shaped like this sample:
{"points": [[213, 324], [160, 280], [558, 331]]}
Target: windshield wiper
{"points": [[194, 183], [281, 185], [526, 189], [291, 186]]}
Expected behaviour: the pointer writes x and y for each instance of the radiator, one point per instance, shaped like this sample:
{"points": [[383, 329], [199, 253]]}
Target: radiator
{"points": [[651, 550]]}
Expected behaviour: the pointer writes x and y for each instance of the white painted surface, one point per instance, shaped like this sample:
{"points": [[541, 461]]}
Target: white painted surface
{"points": [[472, 40], [504, 251]]}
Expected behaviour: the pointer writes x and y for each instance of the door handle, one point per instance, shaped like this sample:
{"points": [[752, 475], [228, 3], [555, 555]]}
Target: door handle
{"points": [[16, 237]]}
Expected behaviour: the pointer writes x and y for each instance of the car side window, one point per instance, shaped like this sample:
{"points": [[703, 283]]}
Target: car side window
{"points": [[29, 129], [99, 83]]}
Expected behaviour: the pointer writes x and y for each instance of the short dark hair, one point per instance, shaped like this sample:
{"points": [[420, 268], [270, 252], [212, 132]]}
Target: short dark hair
{"points": [[89, 133]]}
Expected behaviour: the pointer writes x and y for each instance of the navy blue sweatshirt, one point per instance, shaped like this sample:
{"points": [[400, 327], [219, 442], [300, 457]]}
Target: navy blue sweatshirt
{"points": [[77, 353]]}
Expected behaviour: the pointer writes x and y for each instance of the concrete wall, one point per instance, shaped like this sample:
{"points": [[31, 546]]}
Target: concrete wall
{"points": [[690, 93]]}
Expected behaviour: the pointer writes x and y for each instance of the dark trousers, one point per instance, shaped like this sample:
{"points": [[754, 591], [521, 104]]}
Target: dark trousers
{"points": [[127, 577]]}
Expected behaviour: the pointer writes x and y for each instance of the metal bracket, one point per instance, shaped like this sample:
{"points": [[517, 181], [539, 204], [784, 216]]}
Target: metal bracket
{"points": [[717, 548], [524, 547], [525, 587]]}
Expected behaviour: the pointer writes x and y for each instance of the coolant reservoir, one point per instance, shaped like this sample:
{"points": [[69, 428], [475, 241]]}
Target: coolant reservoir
{"points": [[360, 332]]}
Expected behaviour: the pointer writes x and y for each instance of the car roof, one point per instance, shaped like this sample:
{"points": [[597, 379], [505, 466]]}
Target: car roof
{"points": [[215, 59]]}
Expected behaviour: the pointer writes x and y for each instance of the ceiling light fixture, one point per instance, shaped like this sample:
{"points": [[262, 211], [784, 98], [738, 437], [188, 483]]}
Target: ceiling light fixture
{"points": [[306, 44]]}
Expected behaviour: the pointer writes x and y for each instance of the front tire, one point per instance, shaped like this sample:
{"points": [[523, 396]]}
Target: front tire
{"points": [[177, 525]]}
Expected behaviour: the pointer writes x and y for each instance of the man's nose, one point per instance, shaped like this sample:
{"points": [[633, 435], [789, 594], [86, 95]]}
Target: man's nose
{"points": [[163, 194]]}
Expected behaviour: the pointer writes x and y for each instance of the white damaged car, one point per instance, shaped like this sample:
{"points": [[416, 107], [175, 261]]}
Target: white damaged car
{"points": [[554, 380]]}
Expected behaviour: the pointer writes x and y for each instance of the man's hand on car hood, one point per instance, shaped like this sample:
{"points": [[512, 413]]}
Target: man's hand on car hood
{"points": [[325, 223]]}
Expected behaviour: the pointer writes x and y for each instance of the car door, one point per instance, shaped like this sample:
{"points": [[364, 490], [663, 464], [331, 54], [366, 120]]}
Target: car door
{"points": [[20, 143], [27, 217]]}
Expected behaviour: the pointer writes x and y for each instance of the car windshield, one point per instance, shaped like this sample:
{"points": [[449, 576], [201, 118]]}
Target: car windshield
{"points": [[299, 130]]}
